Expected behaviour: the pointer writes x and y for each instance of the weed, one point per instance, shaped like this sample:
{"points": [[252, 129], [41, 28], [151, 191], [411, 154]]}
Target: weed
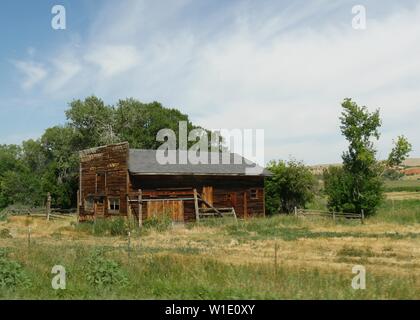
{"points": [[104, 272], [158, 222], [12, 274], [356, 252], [5, 234], [107, 226]]}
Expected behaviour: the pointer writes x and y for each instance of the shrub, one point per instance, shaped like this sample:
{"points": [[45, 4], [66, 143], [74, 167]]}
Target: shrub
{"points": [[12, 274], [291, 185], [392, 174], [340, 186], [3, 216], [5, 234], [160, 222], [105, 272], [356, 252], [107, 226], [118, 226]]}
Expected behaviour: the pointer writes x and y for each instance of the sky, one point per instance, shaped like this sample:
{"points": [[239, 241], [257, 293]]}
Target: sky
{"points": [[282, 66]]}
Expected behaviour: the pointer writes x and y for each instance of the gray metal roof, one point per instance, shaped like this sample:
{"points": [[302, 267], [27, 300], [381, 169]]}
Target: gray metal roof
{"points": [[144, 162]]}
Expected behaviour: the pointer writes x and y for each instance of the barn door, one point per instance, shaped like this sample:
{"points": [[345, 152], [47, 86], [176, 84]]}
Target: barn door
{"points": [[159, 208], [232, 199], [207, 195]]}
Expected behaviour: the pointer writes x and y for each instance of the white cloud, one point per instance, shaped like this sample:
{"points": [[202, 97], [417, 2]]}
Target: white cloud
{"points": [[65, 71], [113, 59], [285, 70], [33, 73]]}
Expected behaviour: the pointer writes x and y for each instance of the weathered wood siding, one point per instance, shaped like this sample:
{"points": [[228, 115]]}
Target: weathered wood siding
{"points": [[103, 174], [228, 191]]}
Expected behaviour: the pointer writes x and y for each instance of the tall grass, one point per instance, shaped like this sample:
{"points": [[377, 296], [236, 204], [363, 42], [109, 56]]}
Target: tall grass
{"points": [[188, 272], [184, 276], [402, 185], [101, 227], [398, 211]]}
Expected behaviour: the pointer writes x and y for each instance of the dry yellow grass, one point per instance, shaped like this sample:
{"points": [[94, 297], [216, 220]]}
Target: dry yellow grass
{"points": [[384, 255], [403, 195]]}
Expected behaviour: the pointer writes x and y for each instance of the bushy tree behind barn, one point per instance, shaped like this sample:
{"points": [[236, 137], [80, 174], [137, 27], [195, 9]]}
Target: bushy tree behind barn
{"points": [[291, 185]]}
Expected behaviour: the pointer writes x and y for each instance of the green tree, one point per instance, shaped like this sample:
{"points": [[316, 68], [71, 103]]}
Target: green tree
{"points": [[138, 123], [93, 121], [399, 152], [358, 184], [19, 181], [291, 185], [51, 163]]}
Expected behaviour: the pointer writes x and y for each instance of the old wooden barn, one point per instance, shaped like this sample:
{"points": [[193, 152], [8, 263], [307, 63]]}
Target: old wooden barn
{"points": [[118, 181]]}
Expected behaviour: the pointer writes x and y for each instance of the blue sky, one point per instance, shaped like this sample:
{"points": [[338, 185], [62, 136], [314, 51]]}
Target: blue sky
{"points": [[283, 66]]}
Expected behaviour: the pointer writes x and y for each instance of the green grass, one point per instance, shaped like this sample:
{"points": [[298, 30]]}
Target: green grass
{"points": [[103, 227], [398, 211], [182, 276], [349, 251], [183, 271], [402, 185], [289, 228]]}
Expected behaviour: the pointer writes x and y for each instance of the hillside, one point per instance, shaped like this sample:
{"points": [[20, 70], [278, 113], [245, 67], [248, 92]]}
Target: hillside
{"points": [[319, 168]]}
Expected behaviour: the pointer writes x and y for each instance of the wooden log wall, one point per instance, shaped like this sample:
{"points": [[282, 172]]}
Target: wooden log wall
{"points": [[232, 191], [103, 174]]}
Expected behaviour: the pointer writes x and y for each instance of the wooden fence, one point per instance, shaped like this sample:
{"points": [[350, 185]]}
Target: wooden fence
{"points": [[333, 215]]}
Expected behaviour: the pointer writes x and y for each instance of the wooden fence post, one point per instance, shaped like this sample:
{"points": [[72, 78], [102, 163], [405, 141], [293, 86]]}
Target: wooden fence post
{"points": [[129, 244], [48, 209], [197, 214], [140, 201], [333, 215], [127, 200], [363, 216], [29, 236], [78, 204], [296, 212], [275, 257]]}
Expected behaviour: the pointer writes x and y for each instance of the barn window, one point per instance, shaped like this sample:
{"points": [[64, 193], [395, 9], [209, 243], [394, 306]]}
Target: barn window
{"points": [[253, 194], [114, 205], [89, 203]]}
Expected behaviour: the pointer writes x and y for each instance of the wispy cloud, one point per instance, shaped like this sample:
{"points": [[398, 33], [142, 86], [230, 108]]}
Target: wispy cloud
{"points": [[33, 73], [281, 67], [113, 59]]}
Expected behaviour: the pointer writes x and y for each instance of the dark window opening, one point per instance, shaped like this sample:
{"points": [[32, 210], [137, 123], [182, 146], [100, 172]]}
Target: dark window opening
{"points": [[89, 201], [114, 205], [253, 194]]}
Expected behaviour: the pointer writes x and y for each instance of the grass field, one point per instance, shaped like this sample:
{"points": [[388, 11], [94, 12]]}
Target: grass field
{"points": [[282, 257], [404, 185]]}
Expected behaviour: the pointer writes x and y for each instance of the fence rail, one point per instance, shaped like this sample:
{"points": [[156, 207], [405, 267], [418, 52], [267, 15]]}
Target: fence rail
{"points": [[332, 214]]}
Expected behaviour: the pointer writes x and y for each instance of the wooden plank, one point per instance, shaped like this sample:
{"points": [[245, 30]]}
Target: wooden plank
{"points": [[197, 215], [245, 205], [208, 194], [140, 208], [129, 213]]}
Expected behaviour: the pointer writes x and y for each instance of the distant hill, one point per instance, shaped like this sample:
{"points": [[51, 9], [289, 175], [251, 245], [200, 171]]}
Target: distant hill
{"points": [[319, 168], [413, 162]]}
